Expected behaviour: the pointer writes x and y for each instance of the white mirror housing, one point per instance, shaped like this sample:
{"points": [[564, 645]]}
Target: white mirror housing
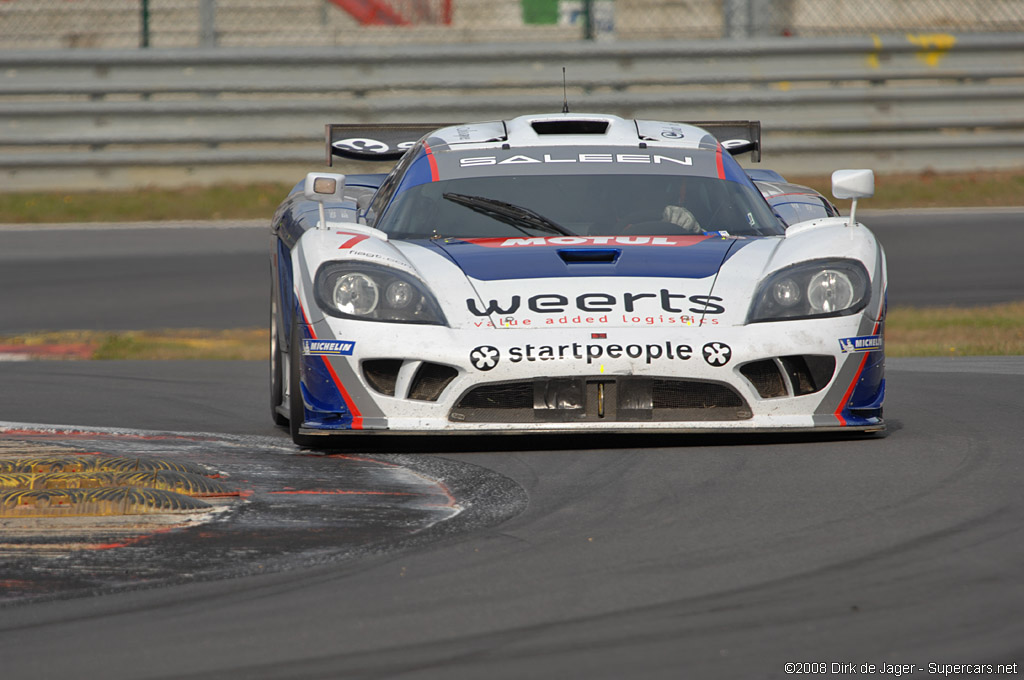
{"points": [[324, 186], [853, 183]]}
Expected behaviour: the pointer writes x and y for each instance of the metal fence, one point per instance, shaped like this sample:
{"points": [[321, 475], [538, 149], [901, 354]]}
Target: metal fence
{"points": [[80, 119], [48, 24]]}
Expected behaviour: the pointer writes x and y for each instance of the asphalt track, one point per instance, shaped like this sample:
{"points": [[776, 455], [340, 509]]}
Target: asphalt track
{"points": [[632, 557]]}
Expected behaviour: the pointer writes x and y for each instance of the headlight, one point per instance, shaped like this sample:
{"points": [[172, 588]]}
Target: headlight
{"points": [[373, 293], [809, 290], [355, 294]]}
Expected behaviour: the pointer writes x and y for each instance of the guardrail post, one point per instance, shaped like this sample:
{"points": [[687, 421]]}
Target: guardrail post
{"points": [[588, 19], [207, 23], [144, 19], [736, 19], [756, 18]]}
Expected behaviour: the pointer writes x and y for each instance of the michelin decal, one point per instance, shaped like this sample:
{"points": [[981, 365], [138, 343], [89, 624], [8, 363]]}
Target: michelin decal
{"points": [[863, 343], [327, 348]]}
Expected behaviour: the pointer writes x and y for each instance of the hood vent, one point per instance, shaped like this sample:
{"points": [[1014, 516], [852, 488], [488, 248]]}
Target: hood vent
{"points": [[589, 255], [570, 127]]}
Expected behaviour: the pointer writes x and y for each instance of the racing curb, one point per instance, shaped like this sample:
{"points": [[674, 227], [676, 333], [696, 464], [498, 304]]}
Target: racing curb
{"points": [[68, 350]]}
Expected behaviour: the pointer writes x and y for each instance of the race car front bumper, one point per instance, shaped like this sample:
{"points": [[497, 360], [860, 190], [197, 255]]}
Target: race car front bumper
{"points": [[794, 375]]}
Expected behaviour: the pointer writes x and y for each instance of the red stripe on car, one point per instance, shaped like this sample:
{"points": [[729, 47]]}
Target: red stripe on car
{"points": [[357, 417], [432, 161]]}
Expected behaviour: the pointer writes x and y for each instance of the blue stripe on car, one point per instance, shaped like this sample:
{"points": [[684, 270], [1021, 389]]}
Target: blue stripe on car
{"points": [[697, 261]]}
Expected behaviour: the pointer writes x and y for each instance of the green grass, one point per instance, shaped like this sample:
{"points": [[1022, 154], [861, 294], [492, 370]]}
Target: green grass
{"points": [[258, 201], [940, 331], [197, 344], [219, 202], [955, 331], [933, 190]]}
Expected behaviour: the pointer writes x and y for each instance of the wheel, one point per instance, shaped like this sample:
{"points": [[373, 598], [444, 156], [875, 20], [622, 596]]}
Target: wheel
{"points": [[276, 379], [296, 409]]}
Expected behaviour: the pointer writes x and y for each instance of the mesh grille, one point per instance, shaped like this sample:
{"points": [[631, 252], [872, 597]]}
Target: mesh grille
{"points": [[600, 399], [672, 394], [430, 380], [518, 395], [765, 377]]}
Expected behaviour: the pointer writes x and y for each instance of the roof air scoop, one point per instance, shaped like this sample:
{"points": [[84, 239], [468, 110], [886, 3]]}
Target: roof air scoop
{"points": [[570, 127]]}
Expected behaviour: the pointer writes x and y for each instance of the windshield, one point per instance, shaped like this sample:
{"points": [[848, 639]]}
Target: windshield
{"points": [[584, 205]]}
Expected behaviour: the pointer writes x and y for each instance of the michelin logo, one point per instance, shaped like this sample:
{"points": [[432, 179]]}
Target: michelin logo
{"points": [[864, 343], [327, 348]]}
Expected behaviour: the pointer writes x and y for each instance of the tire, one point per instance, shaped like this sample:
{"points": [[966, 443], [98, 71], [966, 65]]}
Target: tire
{"points": [[276, 378]]}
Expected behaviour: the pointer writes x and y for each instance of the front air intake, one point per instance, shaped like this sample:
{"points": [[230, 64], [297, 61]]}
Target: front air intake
{"points": [[427, 384], [430, 381], [807, 374], [766, 378], [570, 127], [382, 374]]}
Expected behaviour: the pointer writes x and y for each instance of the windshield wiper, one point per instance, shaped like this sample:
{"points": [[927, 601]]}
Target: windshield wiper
{"points": [[509, 213]]}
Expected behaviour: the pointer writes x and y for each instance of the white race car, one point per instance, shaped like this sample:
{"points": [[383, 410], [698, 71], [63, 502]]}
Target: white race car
{"points": [[570, 272]]}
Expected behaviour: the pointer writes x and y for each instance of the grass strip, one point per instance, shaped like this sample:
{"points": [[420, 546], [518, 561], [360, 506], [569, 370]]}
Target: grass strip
{"points": [[995, 330], [215, 202], [258, 201], [990, 189]]}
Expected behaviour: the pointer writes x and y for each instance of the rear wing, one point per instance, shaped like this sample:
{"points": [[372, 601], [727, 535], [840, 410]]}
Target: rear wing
{"points": [[374, 142], [388, 141], [735, 136]]}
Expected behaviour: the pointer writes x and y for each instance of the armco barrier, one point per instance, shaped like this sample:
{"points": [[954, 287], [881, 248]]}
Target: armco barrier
{"points": [[898, 103]]}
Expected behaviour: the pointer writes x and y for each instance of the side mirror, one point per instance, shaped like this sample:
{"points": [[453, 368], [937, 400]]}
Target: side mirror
{"points": [[853, 184], [322, 187]]}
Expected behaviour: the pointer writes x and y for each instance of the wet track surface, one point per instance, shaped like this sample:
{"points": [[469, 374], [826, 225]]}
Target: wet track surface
{"points": [[283, 508], [653, 557]]}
